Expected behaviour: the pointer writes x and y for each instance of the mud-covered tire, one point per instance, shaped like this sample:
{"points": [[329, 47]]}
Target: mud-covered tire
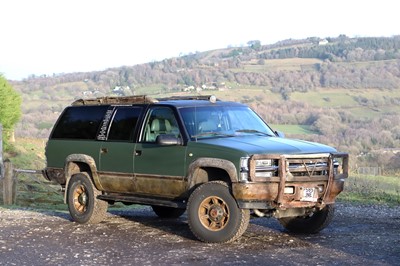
{"points": [[311, 224], [82, 201], [213, 214], [167, 212]]}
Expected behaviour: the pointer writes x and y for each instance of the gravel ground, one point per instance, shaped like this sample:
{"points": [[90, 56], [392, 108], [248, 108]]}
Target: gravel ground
{"points": [[358, 235]]}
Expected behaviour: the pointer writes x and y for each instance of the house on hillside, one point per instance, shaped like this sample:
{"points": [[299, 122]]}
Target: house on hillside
{"points": [[323, 42], [121, 90]]}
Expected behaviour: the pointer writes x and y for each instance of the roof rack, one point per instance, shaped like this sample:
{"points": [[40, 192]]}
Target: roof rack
{"points": [[187, 97], [116, 100], [143, 99]]}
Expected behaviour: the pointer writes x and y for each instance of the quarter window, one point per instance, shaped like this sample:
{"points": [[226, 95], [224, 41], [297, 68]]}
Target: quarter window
{"points": [[79, 122]]}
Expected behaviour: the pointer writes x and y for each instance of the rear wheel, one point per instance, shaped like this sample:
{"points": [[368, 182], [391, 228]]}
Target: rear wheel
{"points": [[167, 212], [214, 215], [310, 224], [83, 204]]}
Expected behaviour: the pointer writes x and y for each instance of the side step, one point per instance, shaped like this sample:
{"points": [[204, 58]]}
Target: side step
{"points": [[143, 200]]}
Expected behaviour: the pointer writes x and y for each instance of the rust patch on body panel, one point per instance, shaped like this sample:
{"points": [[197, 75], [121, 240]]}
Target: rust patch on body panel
{"points": [[255, 191], [117, 182], [162, 186]]}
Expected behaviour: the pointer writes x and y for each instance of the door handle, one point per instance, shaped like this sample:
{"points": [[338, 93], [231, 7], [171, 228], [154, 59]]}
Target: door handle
{"points": [[138, 152], [103, 150]]}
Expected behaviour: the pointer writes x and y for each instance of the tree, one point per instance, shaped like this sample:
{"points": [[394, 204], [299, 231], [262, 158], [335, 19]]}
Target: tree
{"points": [[10, 108], [255, 44]]}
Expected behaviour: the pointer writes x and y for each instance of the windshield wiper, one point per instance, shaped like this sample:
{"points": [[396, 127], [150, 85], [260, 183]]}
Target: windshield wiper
{"points": [[254, 131], [212, 134]]}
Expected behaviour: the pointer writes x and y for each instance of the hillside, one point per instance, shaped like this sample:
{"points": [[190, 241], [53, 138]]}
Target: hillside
{"points": [[340, 91]]}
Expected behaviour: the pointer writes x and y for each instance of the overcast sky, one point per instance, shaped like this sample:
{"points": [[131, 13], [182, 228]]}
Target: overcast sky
{"points": [[63, 36]]}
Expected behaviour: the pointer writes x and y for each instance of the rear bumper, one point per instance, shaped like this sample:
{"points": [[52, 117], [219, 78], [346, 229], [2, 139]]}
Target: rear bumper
{"points": [[54, 174]]}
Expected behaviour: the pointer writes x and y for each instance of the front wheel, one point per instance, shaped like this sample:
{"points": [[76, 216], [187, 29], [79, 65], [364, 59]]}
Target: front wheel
{"points": [[213, 214], [83, 204], [310, 224]]}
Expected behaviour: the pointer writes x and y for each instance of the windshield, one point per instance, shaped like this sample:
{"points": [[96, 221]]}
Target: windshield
{"points": [[223, 121]]}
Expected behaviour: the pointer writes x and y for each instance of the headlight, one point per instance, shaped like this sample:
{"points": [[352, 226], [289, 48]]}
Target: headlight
{"points": [[244, 164], [244, 169], [262, 164], [264, 174], [266, 168]]}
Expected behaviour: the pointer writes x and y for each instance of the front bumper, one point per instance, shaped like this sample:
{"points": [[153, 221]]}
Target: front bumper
{"points": [[286, 189]]}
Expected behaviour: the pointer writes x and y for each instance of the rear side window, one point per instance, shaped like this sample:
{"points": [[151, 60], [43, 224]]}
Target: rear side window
{"points": [[124, 123], [79, 122]]}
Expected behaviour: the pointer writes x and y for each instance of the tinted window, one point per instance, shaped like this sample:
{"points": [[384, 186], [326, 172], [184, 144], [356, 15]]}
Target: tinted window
{"points": [[124, 123], [79, 122]]}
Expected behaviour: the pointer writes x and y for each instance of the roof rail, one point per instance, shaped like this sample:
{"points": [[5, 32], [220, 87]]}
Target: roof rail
{"points": [[116, 100], [187, 97]]}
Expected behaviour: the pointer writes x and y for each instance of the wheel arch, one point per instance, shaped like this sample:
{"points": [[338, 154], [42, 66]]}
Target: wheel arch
{"points": [[211, 169], [78, 163]]}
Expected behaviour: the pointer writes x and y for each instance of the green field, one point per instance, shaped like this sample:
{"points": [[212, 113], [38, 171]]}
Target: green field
{"points": [[325, 98], [372, 189], [344, 99], [289, 64], [293, 129], [339, 99]]}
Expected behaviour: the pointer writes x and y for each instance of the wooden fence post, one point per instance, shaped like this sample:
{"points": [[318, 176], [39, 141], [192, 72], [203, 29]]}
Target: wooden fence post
{"points": [[9, 184]]}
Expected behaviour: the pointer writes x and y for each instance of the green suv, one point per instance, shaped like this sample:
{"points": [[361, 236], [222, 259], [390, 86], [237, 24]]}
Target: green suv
{"points": [[217, 160]]}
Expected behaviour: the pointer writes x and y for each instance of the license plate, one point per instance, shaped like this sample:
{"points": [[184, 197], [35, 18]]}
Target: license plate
{"points": [[308, 194]]}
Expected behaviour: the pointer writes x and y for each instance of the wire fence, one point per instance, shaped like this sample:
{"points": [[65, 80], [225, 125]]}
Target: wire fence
{"points": [[370, 171], [29, 188]]}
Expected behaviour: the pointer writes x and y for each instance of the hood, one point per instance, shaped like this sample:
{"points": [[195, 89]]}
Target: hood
{"points": [[253, 144]]}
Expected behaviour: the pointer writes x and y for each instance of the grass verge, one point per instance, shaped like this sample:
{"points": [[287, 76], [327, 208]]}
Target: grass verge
{"points": [[372, 189]]}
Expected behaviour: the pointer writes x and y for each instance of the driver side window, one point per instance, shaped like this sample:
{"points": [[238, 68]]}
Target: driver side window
{"points": [[160, 120]]}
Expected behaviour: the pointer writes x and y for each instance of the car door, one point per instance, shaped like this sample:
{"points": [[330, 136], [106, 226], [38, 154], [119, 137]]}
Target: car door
{"points": [[160, 169], [117, 150]]}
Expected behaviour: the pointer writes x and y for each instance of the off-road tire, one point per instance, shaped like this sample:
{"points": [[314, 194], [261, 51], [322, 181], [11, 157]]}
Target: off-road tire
{"points": [[167, 212], [213, 214], [83, 204], [311, 224]]}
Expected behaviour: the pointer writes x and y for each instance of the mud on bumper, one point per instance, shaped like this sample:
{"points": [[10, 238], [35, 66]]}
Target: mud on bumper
{"points": [[292, 181]]}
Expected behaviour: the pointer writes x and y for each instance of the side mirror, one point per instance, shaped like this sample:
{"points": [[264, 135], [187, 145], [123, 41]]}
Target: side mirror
{"points": [[168, 140], [280, 134]]}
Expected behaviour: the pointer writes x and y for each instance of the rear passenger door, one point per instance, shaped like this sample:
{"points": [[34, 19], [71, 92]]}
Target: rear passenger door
{"points": [[159, 169], [117, 149]]}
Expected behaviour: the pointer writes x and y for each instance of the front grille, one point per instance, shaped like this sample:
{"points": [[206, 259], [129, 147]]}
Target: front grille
{"points": [[301, 167], [307, 167]]}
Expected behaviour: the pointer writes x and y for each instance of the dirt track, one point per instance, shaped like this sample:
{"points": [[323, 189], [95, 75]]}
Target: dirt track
{"points": [[358, 235]]}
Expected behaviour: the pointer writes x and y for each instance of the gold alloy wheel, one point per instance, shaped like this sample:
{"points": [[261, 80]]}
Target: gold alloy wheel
{"points": [[214, 213], [80, 199]]}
